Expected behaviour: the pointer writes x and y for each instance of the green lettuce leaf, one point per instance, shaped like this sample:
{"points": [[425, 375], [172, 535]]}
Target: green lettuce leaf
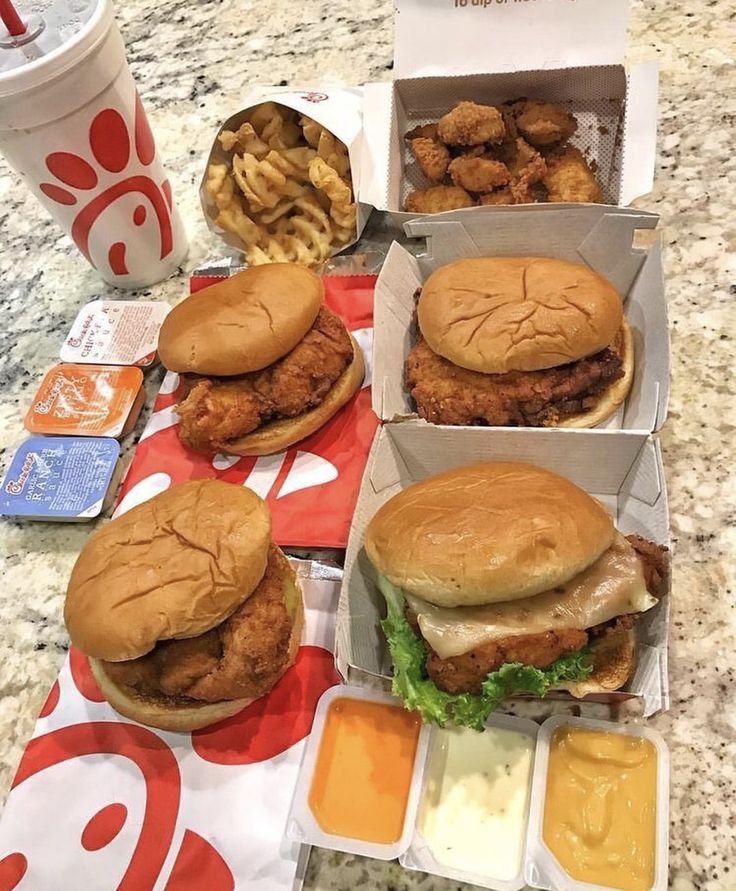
{"points": [[419, 693]]}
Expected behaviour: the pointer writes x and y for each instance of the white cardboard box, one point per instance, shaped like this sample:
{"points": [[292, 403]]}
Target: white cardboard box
{"points": [[600, 237], [622, 469], [490, 51]]}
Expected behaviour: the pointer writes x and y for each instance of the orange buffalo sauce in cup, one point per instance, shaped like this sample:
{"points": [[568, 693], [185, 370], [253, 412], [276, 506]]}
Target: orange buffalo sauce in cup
{"points": [[362, 775], [87, 400]]}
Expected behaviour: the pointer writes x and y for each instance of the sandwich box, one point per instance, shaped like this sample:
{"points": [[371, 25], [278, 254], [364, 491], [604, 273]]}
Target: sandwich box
{"points": [[490, 52], [602, 238], [623, 469]]}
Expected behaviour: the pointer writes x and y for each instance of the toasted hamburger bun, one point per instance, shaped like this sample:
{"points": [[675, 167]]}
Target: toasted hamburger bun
{"points": [[180, 716], [500, 314], [615, 395], [243, 323], [173, 567], [614, 661], [487, 533], [275, 436]]}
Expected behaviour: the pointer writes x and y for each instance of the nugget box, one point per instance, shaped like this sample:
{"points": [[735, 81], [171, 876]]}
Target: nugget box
{"points": [[490, 52]]}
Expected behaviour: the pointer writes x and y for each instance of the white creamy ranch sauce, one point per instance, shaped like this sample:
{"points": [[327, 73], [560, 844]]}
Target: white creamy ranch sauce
{"points": [[475, 807]]}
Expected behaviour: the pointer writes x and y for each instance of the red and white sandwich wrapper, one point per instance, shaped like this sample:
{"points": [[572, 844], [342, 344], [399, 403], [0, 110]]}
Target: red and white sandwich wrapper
{"points": [[339, 110], [100, 802], [310, 488]]}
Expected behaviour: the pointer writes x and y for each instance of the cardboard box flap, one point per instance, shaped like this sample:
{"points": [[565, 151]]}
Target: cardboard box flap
{"points": [[646, 310], [393, 306], [378, 109], [468, 36], [640, 134], [600, 462], [602, 236]]}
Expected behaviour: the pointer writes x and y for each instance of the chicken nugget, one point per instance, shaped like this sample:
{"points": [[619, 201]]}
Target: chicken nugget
{"points": [[545, 123], [499, 197], [526, 166], [526, 162], [437, 199], [471, 124], [478, 174], [424, 131], [569, 177], [432, 156]]}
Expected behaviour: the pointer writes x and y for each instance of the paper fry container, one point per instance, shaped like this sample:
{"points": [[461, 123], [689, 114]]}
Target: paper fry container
{"points": [[622, 469], [337, 110], [601, 238], [570, 53]]}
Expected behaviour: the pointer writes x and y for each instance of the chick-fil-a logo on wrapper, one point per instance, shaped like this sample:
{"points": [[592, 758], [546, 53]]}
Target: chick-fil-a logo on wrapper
{"points": [[310, 488], [146, 809], [314, 97]]}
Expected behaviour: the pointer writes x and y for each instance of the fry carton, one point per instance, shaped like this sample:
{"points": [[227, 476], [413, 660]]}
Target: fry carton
{"points": [[338, 111], [491, 51]]}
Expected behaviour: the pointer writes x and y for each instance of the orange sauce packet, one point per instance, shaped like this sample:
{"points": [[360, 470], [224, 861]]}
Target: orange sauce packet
{"points": [[87, 400]]}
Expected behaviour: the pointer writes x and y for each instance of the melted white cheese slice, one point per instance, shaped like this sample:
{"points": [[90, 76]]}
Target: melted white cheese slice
{"points": [[610, 587]]}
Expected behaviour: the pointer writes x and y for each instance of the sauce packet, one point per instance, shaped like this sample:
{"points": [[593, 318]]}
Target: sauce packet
{"points": [[87, 400], [67, 478], [116, 332]]}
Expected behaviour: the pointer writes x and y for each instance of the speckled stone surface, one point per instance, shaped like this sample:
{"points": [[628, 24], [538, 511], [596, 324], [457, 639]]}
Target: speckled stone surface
{"points": [[193, 63]]}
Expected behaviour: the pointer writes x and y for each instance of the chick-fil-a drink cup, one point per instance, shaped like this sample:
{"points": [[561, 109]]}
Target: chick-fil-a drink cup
{"points": [[72, 125]]}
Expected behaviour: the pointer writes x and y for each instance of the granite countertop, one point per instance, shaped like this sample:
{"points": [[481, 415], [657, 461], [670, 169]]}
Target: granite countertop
{"points": [[193, 65]]}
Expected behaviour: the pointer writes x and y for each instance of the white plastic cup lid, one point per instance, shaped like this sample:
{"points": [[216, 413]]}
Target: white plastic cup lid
{"points": [[58, 34]]}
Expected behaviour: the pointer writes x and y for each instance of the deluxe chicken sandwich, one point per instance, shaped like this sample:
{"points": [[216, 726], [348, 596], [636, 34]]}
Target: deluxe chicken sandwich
{"points": [[264, 362], [519, 341], [505, 579], [186, 608]]}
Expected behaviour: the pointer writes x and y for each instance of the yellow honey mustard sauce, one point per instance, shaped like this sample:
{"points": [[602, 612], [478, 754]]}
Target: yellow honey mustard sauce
{"points": [[600, 809]]}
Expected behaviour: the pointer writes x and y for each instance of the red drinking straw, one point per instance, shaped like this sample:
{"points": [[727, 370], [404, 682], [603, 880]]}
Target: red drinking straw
{"points": [[12, 21]]}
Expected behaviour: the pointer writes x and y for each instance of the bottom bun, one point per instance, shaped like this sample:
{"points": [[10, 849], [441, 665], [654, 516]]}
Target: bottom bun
{"points": [[166, 714], [614, 660], [612, 397], [276, 436]]}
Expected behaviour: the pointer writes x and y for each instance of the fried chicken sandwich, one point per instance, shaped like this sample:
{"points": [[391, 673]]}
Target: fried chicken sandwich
{"points": [[519, 342], [186, 608], [505, 579], [264, 362]]}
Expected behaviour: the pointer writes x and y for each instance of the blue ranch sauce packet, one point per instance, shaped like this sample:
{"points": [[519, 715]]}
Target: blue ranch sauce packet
{"points": [[60, 478]]}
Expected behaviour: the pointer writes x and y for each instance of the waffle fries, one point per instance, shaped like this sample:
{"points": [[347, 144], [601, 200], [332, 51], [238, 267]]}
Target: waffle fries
{"points": [[285, 190]]}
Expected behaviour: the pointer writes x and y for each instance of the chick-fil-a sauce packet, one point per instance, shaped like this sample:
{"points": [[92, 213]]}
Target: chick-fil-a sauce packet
{"points": [[116, 332], [87, 400], [68, 478]]}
